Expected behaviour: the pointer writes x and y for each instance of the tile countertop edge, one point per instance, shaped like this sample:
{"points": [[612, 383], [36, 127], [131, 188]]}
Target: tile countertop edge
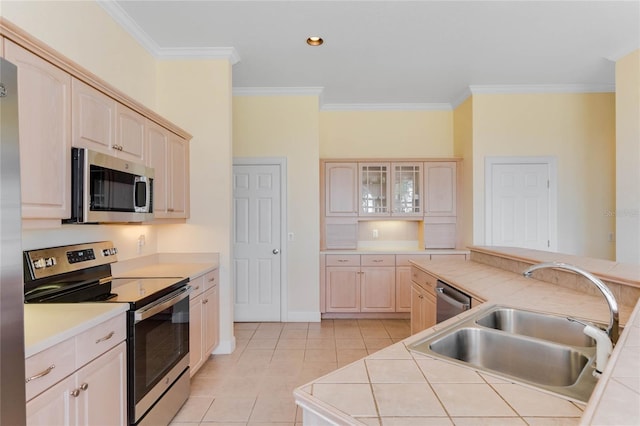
{"points": [[76, 318], [320, 409]]}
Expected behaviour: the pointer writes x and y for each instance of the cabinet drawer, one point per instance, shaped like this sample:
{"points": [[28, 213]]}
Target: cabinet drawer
{"points": [[48, 367], [403, 259], [343, 260], [423, 279], [378, 260], [99, 339], [211, 279]]}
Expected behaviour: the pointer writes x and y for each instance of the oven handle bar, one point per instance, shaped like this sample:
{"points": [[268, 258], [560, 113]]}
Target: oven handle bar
{"points": [[162, 304]]}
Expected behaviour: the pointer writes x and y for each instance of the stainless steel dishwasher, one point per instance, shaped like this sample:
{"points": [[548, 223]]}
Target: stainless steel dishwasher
{"points": [[450, 301]]}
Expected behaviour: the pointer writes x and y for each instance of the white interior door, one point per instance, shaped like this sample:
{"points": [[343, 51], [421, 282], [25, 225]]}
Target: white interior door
{"points": [[520, 202], [256, 242]]}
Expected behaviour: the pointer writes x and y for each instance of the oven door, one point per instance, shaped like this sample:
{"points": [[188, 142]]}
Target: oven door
{"points": [[159, 350]]}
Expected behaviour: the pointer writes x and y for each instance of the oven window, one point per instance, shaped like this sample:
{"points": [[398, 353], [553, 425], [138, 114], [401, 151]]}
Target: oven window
{"points": [[160, 342], [112, 190]]}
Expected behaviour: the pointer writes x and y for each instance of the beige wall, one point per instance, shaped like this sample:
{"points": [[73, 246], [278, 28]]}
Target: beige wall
{"points": [[201, 103], [83, 32], [577, 129], [627, 211], [463, 148], [287, 126], [390, 134]]}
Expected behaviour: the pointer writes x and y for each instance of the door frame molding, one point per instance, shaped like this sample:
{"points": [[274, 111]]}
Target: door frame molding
{"points": [[552, 163], [282, 163]]}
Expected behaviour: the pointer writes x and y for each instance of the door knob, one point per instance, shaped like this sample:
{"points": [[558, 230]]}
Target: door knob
{"points": [[276, 251]]}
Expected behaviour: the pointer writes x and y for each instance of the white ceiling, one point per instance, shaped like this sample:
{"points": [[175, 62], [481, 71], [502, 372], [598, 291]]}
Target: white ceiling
{"points": [[424, 53]]}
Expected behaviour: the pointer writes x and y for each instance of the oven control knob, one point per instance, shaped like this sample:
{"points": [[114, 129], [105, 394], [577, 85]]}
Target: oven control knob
{"points": [[39, 263], [105, 252], [114, 250], [50, 261]]}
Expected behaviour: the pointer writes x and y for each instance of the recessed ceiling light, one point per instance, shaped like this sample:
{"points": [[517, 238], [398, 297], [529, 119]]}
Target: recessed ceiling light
{"points": [[315, 41]]}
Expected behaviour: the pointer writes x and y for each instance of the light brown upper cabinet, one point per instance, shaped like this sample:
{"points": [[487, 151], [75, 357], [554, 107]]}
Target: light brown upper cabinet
{"points": [[374, 189], [102, 124], [44, 93], [440, 188], [168, 154], [341, 189], [440, 214], [406, 189], [390, 189]]}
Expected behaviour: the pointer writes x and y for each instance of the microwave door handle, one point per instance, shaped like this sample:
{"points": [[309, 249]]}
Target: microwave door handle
{"points": [[147, 194]]}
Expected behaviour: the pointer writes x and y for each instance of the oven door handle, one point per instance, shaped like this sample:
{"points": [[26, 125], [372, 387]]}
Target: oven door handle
{"points": [[162, 304]]}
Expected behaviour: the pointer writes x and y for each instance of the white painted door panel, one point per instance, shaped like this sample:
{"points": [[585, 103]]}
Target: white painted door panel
{"points": [[520, 205], [256, 239]]}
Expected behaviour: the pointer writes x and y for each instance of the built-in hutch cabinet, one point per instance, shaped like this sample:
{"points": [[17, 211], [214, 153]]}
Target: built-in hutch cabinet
{"points": [[62, 105], [424, 190]]}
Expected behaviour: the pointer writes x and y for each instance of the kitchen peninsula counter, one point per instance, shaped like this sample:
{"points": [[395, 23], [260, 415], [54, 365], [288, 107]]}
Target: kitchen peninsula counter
{"points": [[397, 387]]}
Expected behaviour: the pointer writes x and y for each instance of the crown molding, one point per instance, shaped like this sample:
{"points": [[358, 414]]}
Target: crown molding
{"points": [[541, 88], [277, 91], [458, 100], [123, 19], [387, 107]]}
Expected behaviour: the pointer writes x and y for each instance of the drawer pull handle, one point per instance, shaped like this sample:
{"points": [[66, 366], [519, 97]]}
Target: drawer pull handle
{"points": [[41, 374], [212, 279], [107, 337], [197, 287], [343, 260], [377, 260]]}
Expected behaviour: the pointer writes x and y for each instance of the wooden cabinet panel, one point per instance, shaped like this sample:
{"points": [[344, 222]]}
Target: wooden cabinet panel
{"points": [[440, 232], [52, 407], [211, 323], [378, 260], [343, 260], [341, 189], [423, 309], [440, 185], [38, 371], [403, 289], [195, 333], [94, 118], [168, 154], [102, 384], [178, 179], [45, 136], [378, 286], [343, 289], [341, 233], [130, 134]]}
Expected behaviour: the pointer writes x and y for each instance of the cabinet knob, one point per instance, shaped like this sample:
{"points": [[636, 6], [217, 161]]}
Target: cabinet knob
{"points": [[212, 279], [75, 393], [84, 386]]}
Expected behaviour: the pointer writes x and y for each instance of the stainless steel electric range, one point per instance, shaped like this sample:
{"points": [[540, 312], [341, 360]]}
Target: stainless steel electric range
{"points": [[157, 320]]}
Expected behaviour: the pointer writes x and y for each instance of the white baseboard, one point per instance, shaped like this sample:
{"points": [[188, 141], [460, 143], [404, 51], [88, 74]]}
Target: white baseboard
{"points": [[303, 317], [225, 347]]}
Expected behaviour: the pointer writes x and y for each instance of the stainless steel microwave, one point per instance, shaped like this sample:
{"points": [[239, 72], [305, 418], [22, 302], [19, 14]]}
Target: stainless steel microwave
{"points": [[106, 189]]}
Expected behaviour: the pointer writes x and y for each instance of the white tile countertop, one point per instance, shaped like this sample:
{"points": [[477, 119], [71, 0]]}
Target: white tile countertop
{"points": [[398, 387], [47, 324]]}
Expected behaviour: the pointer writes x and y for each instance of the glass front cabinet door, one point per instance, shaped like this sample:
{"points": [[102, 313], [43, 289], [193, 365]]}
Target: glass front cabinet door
{"points": [[374, 189], [406, 189]]}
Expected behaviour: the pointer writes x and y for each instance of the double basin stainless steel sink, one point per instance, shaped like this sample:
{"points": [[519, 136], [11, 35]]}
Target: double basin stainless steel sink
{"points": [[541, 350]]}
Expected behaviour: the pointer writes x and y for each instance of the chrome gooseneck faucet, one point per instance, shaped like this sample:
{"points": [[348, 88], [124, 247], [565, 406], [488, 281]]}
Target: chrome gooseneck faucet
{"points": [[613, 329]]}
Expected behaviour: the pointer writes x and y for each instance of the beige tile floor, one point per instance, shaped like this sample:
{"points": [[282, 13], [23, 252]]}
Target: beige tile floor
{"points": [[254, 385]]}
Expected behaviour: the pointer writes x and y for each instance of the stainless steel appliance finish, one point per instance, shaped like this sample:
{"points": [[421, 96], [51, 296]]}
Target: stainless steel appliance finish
{"points": [[450, 301], [157, 320], [12, 373], [564, 365], [107, 189]]}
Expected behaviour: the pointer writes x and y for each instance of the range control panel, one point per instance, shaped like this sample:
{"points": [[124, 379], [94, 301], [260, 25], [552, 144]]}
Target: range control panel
{"points": [[51, 261]]}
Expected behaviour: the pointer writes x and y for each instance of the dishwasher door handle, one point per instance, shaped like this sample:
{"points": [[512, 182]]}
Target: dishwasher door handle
{"points": [[451, 301]]}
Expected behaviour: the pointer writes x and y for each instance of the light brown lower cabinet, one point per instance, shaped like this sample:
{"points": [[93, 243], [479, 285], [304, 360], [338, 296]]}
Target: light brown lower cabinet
{"points": [[423, 308], [95, 394], [204, 321]]}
